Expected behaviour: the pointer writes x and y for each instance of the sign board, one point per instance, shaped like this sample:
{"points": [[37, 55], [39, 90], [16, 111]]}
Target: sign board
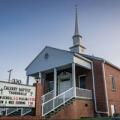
{"points": [[13, 95]]}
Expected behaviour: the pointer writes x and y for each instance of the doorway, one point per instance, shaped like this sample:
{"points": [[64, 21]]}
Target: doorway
{"points": [[82, 81], [64, 82]]}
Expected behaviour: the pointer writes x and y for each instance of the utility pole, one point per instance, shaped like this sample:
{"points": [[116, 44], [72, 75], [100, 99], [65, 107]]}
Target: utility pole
{"points": [[10, 74]]}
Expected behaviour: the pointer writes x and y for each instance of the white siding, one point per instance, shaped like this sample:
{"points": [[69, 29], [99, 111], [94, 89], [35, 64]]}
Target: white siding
{"points": [[56, 58], [82, 62]]}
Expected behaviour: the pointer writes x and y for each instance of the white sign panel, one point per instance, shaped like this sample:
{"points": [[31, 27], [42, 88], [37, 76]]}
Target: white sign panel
{"points": [[13, 95]]}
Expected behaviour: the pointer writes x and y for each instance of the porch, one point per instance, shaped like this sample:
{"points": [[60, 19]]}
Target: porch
{"points": [[64, 83], [57, 80]]}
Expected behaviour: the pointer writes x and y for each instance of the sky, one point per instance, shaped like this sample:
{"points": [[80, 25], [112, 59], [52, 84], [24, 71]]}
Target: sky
{"points": [[27, 26]]}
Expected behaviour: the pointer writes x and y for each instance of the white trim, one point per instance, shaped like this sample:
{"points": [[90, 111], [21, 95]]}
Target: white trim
{"points": [[55, 81], [83, 98], [40, 77], [74, 77], [82, 62], [82, 57], [106, 95], [83, 89]]}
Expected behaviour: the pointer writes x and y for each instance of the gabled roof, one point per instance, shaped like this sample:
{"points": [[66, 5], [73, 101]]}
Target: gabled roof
{"points": [[85, 56], [43, 50], [65, 51]]}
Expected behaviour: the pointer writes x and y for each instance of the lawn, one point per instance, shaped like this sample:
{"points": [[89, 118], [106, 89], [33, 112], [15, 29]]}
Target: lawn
{"points": [[105, 118]]}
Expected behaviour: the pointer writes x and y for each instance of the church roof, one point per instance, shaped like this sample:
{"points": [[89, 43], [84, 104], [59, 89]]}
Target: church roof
{"points": [[65, 56], [100, 59], [85, 56]]}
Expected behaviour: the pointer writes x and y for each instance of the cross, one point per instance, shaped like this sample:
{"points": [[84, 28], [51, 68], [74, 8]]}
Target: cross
{"points": [[10, 74]]}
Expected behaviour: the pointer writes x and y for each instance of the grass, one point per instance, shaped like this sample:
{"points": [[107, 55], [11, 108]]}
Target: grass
{"points": [[101, 118]]}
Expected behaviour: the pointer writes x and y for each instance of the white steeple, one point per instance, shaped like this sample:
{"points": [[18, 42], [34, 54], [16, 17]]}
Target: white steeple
{"points": [[77, 38]]}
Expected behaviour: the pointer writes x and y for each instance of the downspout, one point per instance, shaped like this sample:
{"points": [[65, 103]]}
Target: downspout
{"points": [[94, 92], [106, 93]]}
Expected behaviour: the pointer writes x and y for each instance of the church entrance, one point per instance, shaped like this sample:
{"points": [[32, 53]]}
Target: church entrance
{"points": [[64, 82], [64, 85]]}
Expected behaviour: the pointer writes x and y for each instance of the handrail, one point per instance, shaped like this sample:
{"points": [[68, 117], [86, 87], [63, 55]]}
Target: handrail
{"points": [[47, 93], [47, 96], [83, 89], [57, 95], [11, 110], [57, 101], [25, 111], [62, 98]]}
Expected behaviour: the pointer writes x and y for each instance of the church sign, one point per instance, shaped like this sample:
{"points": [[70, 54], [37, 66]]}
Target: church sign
{"points": [[13, 95]]}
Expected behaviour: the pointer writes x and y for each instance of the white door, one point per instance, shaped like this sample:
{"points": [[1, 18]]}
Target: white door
{"points": [[64, 85], [112, 109]]}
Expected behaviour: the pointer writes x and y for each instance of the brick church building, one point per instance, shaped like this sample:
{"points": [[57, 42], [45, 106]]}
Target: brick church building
{"points": [[75, 84]]}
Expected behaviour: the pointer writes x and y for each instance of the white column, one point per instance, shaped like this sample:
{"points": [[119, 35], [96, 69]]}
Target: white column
{"points": [[74, 77], [40, 77], [55, 81]]}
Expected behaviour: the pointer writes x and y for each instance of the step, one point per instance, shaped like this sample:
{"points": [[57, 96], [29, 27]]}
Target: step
{"points": [[59, 108]]}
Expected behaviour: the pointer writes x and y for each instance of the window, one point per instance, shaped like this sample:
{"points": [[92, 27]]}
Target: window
{"points": [[113, 83], [82, 82]]}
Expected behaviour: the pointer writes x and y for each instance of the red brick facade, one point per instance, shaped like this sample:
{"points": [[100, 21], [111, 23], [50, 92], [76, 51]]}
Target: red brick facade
{"points": [[113, 95], [38, 101], [79, 108], [102, 72], [99, 86]]}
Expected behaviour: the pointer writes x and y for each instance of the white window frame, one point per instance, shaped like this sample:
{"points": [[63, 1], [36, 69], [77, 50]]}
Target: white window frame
{"points": [[113, 82]]}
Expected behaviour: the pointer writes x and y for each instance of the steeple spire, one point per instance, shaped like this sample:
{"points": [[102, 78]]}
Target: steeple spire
{"points": [[77, 38], [76, 23]]}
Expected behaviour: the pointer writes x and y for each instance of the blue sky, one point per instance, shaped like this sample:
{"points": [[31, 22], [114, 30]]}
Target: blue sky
{"points": [[27, 26]]}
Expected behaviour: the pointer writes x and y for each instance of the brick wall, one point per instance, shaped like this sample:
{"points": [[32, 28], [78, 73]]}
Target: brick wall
{"points": [[38, 100], [113, 95], [99, 86], [79, 108]]}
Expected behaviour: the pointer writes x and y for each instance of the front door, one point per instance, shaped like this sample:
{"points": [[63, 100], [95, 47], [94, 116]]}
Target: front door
{"points": [[64, 85], [64, 82]]}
